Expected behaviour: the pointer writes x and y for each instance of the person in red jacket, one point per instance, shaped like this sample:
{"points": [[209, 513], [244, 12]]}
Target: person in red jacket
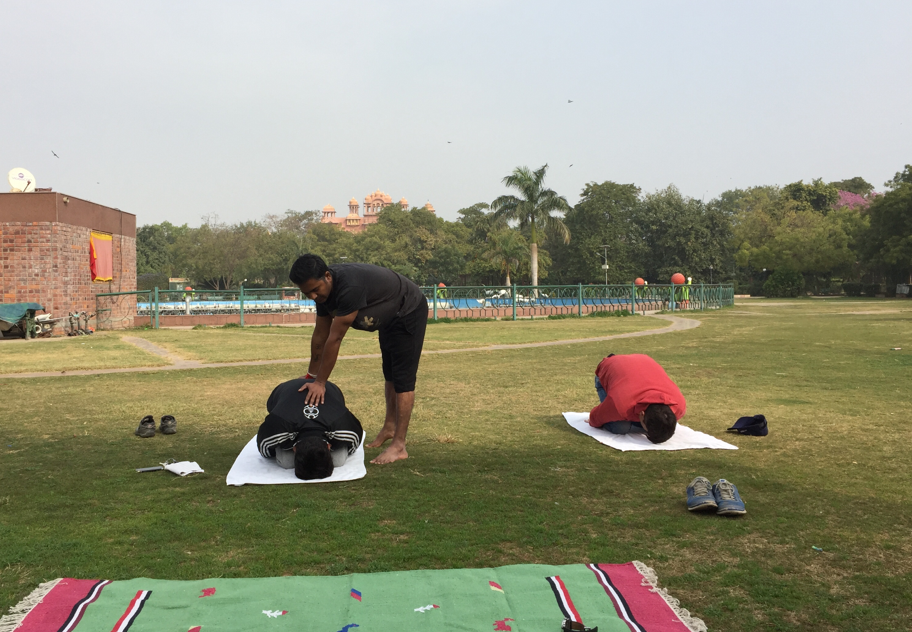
{"points": [[636, 396]]}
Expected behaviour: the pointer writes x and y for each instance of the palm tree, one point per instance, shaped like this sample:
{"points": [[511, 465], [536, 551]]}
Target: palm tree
{"points": [[506, 249], [532, 209]]}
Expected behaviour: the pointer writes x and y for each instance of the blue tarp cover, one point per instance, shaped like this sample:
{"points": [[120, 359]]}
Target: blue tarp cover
{"points": [[14, 312]]}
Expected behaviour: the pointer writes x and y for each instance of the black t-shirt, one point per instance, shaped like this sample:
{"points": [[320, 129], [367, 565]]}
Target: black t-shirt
{"points": [[290, 418], [378, 295]]}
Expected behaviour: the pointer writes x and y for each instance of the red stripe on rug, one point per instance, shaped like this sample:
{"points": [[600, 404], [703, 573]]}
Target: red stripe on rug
{"points": [[567, 600], [55, 609], [126, 619], [651, 611]]}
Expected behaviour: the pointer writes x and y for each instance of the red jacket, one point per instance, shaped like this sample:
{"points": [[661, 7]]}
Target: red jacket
{"points": [[633, 382]]}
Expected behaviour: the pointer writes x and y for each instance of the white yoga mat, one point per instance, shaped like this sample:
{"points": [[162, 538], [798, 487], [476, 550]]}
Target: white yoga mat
{"points": [[684, 438], [251, 468]]}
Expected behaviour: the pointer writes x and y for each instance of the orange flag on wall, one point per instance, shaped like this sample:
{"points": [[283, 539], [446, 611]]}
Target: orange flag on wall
{"points": [[101, 257]]}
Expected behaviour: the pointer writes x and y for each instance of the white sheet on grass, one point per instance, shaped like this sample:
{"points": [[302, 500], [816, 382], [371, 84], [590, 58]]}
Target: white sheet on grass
{"points": [[182, 468], [251, 468], [684, 438]]}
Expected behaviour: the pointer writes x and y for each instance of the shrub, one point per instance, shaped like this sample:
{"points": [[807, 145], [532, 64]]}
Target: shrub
{"points": [[872, 289], [611, 314], [783, 283], [755, 289], [853, 289], [445, 320]]}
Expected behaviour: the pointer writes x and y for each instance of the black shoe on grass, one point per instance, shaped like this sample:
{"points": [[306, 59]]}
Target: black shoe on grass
{"points": [[168, 425], [146, 427]]}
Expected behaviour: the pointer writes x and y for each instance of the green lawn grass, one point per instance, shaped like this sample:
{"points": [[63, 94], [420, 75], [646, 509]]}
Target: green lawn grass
{"points": [[104, 350], [497, 477], [276, 343]]}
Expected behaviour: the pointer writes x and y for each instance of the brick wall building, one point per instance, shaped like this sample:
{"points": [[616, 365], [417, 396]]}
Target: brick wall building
{"points": [[45, 255]]}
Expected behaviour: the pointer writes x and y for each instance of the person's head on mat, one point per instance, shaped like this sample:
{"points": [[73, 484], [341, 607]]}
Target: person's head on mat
{"points": [[313, 459], [659, 422]]}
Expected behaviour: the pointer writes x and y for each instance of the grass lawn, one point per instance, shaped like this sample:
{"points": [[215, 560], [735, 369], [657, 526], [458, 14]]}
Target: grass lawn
{"points": [[103, 350], [497, 477], [275, 343]]}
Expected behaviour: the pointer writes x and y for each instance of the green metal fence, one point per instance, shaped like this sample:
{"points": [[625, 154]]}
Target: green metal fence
{"points": [[526, 301], [511, 302]]}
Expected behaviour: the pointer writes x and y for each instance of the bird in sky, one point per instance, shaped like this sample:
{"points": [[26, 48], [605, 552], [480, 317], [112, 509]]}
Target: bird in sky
{"points": [[569, 101], [569, 167], [55, 155], [449, 142]]}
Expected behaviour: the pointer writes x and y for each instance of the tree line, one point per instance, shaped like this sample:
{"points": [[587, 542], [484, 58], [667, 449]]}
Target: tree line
{"points": [[812, 237]]}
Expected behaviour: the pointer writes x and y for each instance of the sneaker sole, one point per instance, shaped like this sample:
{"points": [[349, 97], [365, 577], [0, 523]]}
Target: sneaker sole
{"points": [[703, 507], [169, 431], [732, 512], [145, 434]]}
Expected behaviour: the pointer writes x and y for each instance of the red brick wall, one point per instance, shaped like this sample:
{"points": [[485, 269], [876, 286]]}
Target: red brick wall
{"points": [[48, 263]]}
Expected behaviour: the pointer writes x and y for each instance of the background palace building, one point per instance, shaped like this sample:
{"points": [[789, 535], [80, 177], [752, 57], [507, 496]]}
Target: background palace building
{"points": [[373, 204]]}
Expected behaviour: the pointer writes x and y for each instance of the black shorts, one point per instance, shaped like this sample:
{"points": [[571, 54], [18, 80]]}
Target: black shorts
{"points": [[400, 346]]}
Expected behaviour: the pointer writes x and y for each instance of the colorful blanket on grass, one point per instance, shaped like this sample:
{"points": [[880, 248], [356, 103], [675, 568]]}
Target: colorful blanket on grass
{"points": [[614, 597]]}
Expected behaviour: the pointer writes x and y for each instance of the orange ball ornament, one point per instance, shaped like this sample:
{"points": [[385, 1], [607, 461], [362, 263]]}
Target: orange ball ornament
{"points": [[639, 281], [678, 279]]}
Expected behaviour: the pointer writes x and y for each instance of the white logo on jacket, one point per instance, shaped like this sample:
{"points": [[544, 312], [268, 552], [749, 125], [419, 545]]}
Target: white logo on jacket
{"points": [[311, 411]]}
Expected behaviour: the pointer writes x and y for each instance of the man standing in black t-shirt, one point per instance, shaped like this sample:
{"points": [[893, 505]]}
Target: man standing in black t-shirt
{"points": [[369, 298]]}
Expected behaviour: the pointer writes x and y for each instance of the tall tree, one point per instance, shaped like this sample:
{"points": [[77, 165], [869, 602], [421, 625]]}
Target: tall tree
{"points": [[507, 249], [330, 242], [680, 234], [778, 232], [217, 255], [155, 247], [274, 253], [890, 242], [479, 224], [603, 217], [296, 222], [901, 177], [532, 209], [856, 185], [817, 195]]}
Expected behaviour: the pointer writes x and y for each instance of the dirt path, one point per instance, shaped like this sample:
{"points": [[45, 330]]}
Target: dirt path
{"points": [[181, 364]]}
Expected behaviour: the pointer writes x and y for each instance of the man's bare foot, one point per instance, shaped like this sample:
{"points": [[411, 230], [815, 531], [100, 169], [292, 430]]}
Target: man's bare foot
{"points": [[382, 437], [391, 454]]}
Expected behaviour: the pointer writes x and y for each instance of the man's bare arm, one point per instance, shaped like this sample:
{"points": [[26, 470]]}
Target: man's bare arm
{"points": [[317, 342], [328, 357]]}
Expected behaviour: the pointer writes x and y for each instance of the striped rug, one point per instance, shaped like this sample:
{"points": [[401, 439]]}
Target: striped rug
{"points": [[527, 597]]}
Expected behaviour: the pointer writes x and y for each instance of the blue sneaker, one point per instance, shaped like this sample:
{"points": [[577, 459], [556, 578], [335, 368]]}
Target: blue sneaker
{"points": [[728, 499], [700, 495]]}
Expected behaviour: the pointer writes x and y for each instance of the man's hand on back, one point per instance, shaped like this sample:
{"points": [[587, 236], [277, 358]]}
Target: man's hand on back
{"points": [[315, 393]]}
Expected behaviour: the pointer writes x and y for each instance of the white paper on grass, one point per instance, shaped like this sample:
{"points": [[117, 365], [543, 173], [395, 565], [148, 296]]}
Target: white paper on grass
{"points": [[251, 468], [684, 438], [182, 468]]}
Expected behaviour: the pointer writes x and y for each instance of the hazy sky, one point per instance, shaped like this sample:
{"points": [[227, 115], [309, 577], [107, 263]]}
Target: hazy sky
{"points": [[176, 110]]}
